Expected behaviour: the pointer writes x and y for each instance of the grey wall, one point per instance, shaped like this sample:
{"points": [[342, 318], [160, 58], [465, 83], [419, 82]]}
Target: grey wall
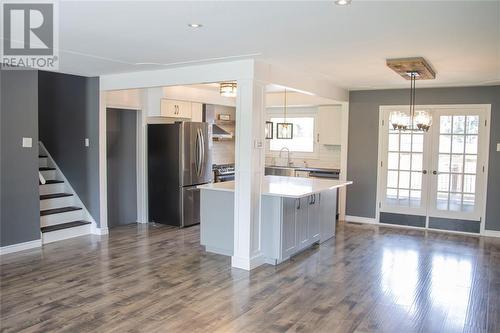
{"points": [[363, 142], [122, 168], [19, 203], [69, 113]]}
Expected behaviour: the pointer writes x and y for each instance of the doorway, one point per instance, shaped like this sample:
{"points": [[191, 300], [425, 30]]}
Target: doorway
{"points": [[121, 138], [435, 179]]}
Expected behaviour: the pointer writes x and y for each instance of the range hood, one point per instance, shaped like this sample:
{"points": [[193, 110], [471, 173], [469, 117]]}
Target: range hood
{"points": [[209, 117]]}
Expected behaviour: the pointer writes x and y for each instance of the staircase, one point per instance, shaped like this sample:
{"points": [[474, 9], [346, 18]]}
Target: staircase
{"points": [[62, 214]]}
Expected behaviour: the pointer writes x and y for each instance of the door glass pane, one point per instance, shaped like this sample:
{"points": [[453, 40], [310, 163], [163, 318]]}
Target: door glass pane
{"points": [[472, 124], [445, 143], [470, 163], [393, 142], [392, 179], [456, 182], [455, 201], [392, 162], [404, 179], [418, 143], [457, 144], [458, 124], [469, 183], [444, 163], [471, 144], [404, 161], [405, 142], [416, 162], [416, 180], [445, 124], [444, 182], [457, 163]]}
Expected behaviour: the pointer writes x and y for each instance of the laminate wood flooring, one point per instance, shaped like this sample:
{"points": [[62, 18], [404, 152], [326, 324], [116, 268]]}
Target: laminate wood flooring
{"points": [[157, 278]]}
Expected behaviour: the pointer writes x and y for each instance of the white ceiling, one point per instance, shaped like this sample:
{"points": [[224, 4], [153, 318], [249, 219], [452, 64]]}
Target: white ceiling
{"points": [[345, 45]]}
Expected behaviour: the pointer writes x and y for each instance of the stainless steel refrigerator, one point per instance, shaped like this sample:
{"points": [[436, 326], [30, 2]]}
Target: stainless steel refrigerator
{"points": [[179, 159]]}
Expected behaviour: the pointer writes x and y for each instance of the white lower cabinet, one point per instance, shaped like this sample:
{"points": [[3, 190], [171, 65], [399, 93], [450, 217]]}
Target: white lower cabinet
{"points": [[300, 225]]}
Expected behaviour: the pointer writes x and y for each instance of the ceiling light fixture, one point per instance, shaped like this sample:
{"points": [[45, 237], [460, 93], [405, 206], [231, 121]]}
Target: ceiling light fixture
{"points": [[228, 89], [343, 2], [195, 25], [284, 130]]}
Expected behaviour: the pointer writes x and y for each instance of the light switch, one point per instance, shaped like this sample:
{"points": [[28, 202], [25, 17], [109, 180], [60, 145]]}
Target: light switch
{"points": [[87, 142], [498, 146], [27, 142], [258, 144]]}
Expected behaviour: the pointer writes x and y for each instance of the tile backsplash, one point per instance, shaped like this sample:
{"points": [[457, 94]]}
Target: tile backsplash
{"points": [[328, 157]]}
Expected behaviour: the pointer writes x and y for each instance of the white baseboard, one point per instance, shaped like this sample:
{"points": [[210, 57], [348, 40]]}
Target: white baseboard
{"points": [[20, 246], [98, 231], [360, 219], [247, 264], [491, 233]]}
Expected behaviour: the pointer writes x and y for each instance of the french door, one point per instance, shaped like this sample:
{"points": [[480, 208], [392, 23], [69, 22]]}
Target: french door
{"points": [[435, 175]]}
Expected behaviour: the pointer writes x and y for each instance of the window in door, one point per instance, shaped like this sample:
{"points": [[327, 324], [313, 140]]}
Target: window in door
{"points": [[457, 162], [303, 135]]}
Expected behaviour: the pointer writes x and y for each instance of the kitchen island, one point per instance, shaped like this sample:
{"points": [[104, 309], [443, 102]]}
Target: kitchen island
{"points": [[295, 214]]}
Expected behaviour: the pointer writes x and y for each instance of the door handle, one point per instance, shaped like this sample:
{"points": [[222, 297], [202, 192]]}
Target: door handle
{"points": [[424, 172], [298, 203], [434, 172]]}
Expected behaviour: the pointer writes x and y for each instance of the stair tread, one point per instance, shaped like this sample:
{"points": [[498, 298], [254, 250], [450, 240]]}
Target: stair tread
{"points": [[59, 210], [54, 195], [45, 169], [67, 225], [42, 156], [53, 181]]}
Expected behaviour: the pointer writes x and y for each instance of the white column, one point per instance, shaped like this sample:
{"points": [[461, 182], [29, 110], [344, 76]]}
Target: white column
{"points": [[249, 171]]}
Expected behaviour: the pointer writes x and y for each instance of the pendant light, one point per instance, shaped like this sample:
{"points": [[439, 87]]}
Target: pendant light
{"points": [[284, 130], [228, 89], [422, 121]]}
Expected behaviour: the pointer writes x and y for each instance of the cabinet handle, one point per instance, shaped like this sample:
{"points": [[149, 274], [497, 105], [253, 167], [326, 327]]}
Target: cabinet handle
{"points": [[319, 198], [317, 137], [298, 203]]}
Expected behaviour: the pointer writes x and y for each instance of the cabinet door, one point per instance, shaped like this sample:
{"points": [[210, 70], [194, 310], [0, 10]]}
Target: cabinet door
{"points": [[328, 213], [197, 112], [303, 222], [289, 228], [184, 109], [329, 125], [314, 218], [175, 109]]}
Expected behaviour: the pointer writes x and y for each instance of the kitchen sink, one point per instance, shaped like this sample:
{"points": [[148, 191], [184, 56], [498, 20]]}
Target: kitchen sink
{"points": [[279, 171]]}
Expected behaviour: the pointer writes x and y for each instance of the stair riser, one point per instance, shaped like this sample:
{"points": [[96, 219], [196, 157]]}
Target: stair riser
{"points": [[65, 217], [52, 188], [49, 174], [42, 162], [57, 235], [56, 203]]}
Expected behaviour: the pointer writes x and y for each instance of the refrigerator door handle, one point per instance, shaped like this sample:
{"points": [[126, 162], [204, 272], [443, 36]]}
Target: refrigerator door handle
{"points": [[202, 159], [198, 153]]}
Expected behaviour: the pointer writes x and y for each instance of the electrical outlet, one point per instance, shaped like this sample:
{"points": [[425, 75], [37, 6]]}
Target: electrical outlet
{"points": [[87, 142], [27, 142]]}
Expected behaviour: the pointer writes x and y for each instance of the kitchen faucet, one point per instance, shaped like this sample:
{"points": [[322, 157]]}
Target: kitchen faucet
{"points": [[288, 162]]}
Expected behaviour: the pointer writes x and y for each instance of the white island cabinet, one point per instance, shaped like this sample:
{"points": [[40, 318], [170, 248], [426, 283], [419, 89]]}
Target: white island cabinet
{"points": [[296, 213]]}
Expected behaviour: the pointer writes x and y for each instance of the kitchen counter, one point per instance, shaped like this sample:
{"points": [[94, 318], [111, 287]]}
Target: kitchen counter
{"points": [[295, 214], [285, 187]]}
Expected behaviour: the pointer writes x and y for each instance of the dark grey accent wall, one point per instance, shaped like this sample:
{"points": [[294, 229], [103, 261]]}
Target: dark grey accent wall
{"points": [[19, 203], [69, 113], [363, 142], [122, 166]]}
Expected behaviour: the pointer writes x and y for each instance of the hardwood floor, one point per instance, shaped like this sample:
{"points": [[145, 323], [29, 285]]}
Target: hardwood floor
{"points": [[159, 279]]}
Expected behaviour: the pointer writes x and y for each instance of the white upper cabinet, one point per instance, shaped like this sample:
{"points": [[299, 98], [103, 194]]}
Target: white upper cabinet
{"points": [[329, 125], [175, 109], [196, 112]]}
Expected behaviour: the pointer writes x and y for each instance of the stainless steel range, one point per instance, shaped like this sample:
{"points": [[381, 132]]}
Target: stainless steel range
{"points": [[223, 172]]}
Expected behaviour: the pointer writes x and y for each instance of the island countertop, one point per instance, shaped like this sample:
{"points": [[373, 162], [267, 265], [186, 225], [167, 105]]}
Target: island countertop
{"points": [[288, 187]]}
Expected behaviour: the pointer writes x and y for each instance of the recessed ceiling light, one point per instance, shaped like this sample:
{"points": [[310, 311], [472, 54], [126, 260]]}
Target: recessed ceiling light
{"points": [[195, 25], [343, 2]]}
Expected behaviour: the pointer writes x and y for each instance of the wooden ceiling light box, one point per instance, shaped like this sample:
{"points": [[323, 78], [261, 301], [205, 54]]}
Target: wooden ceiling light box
{"points": [[405, 65]]}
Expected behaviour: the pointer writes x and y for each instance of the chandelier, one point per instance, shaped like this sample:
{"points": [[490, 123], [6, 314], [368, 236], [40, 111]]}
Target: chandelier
{"points": [[419, 121], [411, 69]]}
